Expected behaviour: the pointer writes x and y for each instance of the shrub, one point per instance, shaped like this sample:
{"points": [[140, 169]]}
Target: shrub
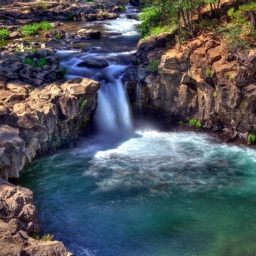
{"points": [[251, 139], [30, 29], [57, 36], [122, 7], [45, 25], [40, 63], [70, 16], [208, 72], [151, 17], [153, 66], [4, 34], [29, 61], [194, 123], [46, 237]]}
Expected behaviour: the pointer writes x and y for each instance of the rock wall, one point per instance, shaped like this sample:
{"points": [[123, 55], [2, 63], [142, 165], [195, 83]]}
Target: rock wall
{"points": [[200, 80], [36, 120], [18, 219]]}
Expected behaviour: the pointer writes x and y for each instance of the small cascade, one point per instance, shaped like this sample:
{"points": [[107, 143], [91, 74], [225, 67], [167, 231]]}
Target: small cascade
{"points": [[113, 115]]}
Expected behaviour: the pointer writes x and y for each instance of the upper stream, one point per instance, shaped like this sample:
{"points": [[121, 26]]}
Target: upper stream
{"points": [[143, 192]]}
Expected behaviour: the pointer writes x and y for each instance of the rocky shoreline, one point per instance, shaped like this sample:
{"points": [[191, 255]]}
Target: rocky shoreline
{"points": [[40, 112], [198, 81]]}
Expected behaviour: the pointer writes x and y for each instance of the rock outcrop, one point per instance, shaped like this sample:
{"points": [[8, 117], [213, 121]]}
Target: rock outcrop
{"points": [[18, 221], [34, 120], [200, 80]]}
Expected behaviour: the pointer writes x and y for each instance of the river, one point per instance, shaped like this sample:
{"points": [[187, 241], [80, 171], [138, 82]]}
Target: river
{"points": [[142, 192]]}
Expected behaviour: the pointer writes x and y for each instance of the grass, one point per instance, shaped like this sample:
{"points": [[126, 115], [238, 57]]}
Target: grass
{"points": [[4, 34], [32, 29], [153, 66]]}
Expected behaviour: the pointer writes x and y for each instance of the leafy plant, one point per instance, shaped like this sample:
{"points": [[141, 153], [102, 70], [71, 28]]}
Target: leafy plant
{"points": [[46, 237], [208, 72], [35, 236], [57, 36], [251, 139], [214, 94], [4, 34], [40, 63], [122, 7], [30, 29], [194, 123], [45, 25], [153, 66], [62, 72], [70, 16]]}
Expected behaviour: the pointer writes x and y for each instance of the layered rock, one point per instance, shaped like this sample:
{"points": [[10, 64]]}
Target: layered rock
{"points": [[18, 220], [200, 80], [34, 121]]}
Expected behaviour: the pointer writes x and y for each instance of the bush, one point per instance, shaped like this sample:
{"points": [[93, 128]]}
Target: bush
{"points": [[31, 29], [251, 139], [153, 66], [4, 34], [45, 25], [47, 237], [151, 17], [70, 16], [40, 63], [194, 123]]}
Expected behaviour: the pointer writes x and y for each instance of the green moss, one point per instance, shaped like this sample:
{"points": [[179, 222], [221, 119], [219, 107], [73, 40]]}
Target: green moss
{"points": [[208, 72]]}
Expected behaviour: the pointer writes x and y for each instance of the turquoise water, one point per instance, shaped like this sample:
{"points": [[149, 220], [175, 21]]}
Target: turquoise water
{"points": [[155, 194]]}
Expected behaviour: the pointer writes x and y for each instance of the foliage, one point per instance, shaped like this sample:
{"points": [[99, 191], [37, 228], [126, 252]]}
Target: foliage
{"points": [[151, 17], [57, 36], [62, 73], [46, 237], [194, 123], [45, 25], [153, 66], [4, 34], [39, 63], [251, 138], [30, 29], [122, 7], [208, 72], [214, 94], [70, 16], [35, 236]]}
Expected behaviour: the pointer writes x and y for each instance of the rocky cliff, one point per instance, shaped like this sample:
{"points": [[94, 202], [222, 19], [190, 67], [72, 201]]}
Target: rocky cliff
{"points": [[18, 220], [34, 120], [199, 80]]}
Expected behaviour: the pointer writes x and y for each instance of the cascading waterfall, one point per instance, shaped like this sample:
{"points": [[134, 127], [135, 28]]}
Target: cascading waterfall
{"points": [[113, 115]]}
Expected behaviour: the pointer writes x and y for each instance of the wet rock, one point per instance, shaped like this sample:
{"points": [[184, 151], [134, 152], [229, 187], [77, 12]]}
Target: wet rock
{"points": [[18, 219], [93, 63], [134, 2], [88, 34]]}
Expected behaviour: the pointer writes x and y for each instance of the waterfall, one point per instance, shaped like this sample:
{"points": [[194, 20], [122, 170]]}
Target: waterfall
{"points": [[113, 115]]}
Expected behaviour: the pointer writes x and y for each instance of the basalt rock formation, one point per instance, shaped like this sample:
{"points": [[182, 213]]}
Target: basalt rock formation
{"points": [[36, 120], [18, 220], [199, 80]]}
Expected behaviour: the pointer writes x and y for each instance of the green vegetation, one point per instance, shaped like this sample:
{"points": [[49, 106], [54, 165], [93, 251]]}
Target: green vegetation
{"points": [[32, 29], [251, 139], [237, 26], [208, 72], [62, 73], [70, 17], [4, 34], [153, 66], [194, 123], [214, 94], [45, 25], [47, 237], [122, 7], [39, 63], [57, 36]]}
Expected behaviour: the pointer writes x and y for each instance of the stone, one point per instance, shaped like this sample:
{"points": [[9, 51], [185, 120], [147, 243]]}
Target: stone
{"points": [[93, 63], [89, 34]]}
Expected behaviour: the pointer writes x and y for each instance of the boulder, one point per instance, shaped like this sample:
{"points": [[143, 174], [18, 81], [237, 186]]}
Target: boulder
{"points": [[93, 63], [89, 34]]}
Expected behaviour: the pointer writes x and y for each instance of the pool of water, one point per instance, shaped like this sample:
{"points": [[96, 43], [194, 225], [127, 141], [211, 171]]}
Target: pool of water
{"points": [[153, 194]]}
